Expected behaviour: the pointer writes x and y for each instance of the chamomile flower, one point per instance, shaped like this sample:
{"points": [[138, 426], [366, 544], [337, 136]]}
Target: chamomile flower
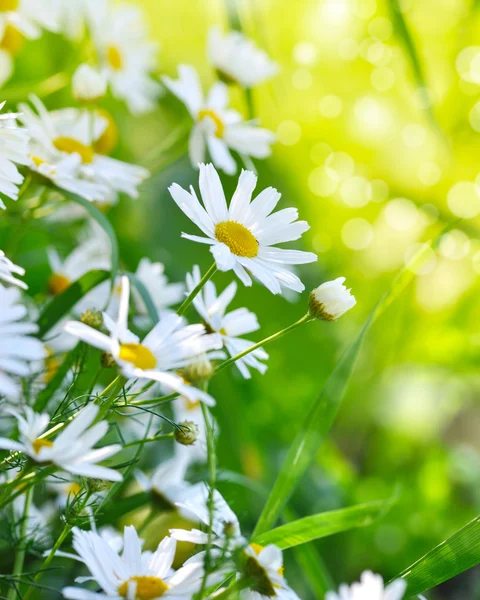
{"points": [[63, 149], [237, 58], [88, 85], [217, 127], [370, 587], [168, 347], [163, 293], [72, 450], [330, 300], [73, 16], [8, 270], [133, 574], [28, 18], [18, 348], [243, 235], [213, 310], [127, 58], [14, 150]]}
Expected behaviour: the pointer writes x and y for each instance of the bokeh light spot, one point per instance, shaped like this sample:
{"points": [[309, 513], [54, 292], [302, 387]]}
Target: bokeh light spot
{"points": [[401, 214], [289, 132], [357, 234], [463, 200]]}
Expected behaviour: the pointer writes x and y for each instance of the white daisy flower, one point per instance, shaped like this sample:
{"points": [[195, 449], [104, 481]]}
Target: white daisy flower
{"points": [[212, 309], [237, 58], [88, 85], [371, 587], [163, 294], [331, 300], [73, 16], [217, 127], [8, 270], [126, 57], [28, 18], [17, 346], [133, 574], [72, 450], [14, 151], [169, 346], [243, 235], [63, 149]]}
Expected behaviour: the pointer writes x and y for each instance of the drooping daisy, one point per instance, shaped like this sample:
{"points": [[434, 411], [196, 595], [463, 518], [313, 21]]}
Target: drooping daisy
{"points": [[72, 450], [243, 235], [217, 127], [133, 574], [63, 149], [237, 58], [14, 150], [169, 346], [126, 56], [212, 309], [8, 270], [163, 293], [370, 587], [331, 300], [18, 347]]}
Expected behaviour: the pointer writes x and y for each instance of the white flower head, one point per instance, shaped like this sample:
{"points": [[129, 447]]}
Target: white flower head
{"points": [[231, 326], [331, 300], [65, 149], [163, 293], [72, 450], [88, 84], [134, 573], [237, 58], [168, 347], [243, 235], [14, 150], [127, 58], [18, 347], [370, 587], [216, 126], [8, 270]]}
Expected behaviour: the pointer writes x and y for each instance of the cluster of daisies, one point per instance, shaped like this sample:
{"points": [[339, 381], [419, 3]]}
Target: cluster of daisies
{"points": [[74, 444]]}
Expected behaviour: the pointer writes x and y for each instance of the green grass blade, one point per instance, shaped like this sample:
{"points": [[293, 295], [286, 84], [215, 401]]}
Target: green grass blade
{"points": [[104, 223], [312, 565], [44, 396], [455, 555], [62, 303], [146, 298], [323, 524]]}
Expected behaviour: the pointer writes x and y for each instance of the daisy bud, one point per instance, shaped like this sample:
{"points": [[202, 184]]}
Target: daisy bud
{"points": [[187, 433], [330, 300], [96, 486], [88, 85], [199, 371], [92, 318], [107, 361]]}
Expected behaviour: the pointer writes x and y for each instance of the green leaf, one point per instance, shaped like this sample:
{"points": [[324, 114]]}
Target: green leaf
{"points": [[455, 555], [325, 408], [104, 223], [312, 565], [65, 301], [323, 524], [56, 381], [146, 298]]}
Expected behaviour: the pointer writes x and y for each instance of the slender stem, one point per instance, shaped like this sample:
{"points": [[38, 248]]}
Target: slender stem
{"points": [[212, 469], [156, 401], [233, 590], [186, 303], [264, 342], [154, 438], [20, 554], [112, 391]]}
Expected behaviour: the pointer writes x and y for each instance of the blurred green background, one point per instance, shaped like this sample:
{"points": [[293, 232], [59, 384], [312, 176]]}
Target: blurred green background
{"points": [[378, 161]]}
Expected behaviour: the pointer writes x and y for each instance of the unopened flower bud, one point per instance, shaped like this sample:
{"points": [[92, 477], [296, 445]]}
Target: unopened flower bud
{"points": [[330, 300], [92, 318], [199, 371], [187, 433], [96, 486], [107, 361], [88, 85]]}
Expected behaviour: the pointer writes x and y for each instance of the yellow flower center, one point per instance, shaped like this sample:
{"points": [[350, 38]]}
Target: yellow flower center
{"points": [[140, 356], [52, 364], [37, 160], [109, 138], [114, 58], [219, 126], [12, 40], [58, 283], [73, 489], [238, 238], [70, 145], [148, 587], [8, 5], [39, 443]]}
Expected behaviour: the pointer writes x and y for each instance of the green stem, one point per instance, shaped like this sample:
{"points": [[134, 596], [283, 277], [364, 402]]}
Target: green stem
{"points": [[20, 553], [233, 590], [264, 342], [112, 390], [186, 303], [156, 401], [154, 438]]}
